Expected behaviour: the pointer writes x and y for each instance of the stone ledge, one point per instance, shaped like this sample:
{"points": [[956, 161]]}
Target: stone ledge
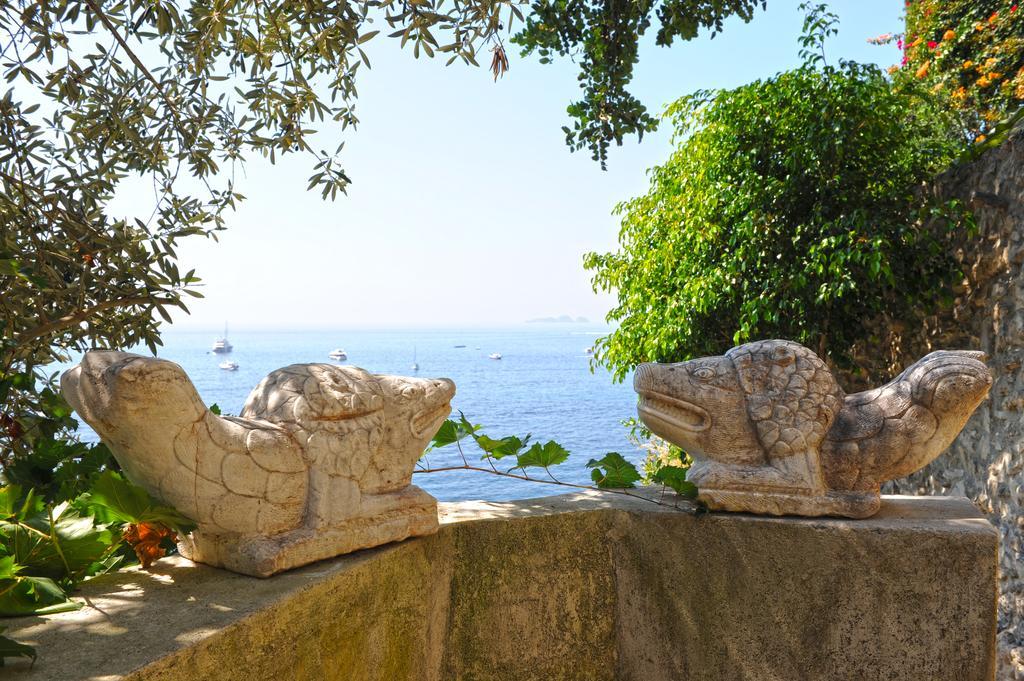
{"points": [[585, 586]]}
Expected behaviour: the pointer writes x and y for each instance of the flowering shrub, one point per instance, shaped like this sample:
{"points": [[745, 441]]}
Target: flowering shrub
{"points": [[972, 53]]}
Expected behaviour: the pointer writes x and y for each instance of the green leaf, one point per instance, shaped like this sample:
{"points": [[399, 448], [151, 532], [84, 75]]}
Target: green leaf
{"points": [[33, 596], [114, 499], [549, 454], [215, 408], [11, 648], [498, 449], [66, 549], [612, 471], [452, 431], [8, 568], [9, 495], [675, 477]]}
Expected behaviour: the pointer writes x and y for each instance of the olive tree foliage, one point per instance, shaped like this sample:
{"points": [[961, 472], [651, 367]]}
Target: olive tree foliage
{"points": [[170, 96], [790, 208]]}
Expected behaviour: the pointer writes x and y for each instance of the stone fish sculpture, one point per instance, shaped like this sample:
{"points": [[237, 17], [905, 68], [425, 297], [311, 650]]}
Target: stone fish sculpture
{"points": [[772, 432], [319, 462]]}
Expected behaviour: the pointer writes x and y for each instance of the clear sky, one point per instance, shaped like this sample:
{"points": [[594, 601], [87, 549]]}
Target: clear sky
{"points": [[467, 208]]}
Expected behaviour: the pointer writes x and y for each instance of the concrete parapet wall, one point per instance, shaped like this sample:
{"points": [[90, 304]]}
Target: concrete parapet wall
{"points": [[586, 587]]}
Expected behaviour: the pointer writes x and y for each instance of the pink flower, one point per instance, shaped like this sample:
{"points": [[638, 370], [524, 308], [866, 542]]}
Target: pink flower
{"points": [[899, 44], [932, 44]]}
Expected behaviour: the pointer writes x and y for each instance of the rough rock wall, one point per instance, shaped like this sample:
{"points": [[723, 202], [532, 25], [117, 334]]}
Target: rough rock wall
{"points": [[986, 462]]}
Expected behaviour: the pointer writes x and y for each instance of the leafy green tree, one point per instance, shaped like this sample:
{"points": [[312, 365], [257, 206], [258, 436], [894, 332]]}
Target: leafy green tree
{"points": [[174, 94], [789, 208]]}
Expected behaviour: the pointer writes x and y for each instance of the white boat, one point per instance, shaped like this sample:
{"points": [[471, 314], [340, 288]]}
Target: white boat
{"points": [[338, 355], [415, 364], [494, 355], [229, 365], [590, 351], [222, 345]]}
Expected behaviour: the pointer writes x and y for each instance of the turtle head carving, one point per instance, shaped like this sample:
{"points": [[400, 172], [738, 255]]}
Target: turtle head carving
{"points": [[693, 405], [318, 463], [333, 409], [771, 431], [757, 402], [123, 386]]}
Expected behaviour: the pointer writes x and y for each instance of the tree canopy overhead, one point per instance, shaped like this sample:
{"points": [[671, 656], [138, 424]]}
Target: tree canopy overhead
{"points": [[604, 35]]}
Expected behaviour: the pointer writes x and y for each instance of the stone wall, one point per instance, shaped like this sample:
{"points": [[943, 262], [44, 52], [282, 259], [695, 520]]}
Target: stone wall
{"points": [[584, 587], [986, 463]]}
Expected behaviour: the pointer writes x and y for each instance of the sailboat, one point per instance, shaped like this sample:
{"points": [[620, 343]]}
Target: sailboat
{"points": [[415, 364], [222, 345]]}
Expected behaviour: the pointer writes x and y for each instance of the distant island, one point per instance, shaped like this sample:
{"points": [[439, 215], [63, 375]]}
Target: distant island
{"points": [[563, 319]]}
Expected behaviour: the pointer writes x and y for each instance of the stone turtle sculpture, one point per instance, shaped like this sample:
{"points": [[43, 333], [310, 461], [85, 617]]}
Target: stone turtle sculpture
{"points": [[319, 462], [771, 431]]}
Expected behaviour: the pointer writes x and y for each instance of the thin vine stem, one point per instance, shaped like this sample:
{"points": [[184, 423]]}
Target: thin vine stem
{"points": [[553, 481]]}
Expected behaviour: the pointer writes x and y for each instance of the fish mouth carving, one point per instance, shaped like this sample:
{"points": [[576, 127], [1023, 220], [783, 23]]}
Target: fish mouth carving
{"points": [[673, 412], [422, 422]]}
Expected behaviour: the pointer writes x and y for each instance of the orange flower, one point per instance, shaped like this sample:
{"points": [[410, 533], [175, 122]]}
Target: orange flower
{"points": [[893, 69], [923, 71], [968, 64], [979, 139], [992, 18], [145, 538], [949, 35]]}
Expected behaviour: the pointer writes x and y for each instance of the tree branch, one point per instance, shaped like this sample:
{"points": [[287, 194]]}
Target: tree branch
{"points": [[82, 315]]}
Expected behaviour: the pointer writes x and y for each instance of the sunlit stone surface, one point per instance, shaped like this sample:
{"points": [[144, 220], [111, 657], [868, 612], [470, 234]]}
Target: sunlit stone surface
{"points": [[772, 432], [318, 464], [586, 587]]}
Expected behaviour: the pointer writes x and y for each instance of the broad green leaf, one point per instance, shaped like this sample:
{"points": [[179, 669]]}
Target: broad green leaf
{"points": [[8, 568], [613, 471], [67, 549], [121, 499], [675, 477], [549, 454], [452, 431], [9, 496], [114, 499], [498, 449], [11, 648], [33, 596]]}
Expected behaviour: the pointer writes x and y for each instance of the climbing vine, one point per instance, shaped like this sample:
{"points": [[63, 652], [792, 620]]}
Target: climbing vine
{"points": [[612, 473]]}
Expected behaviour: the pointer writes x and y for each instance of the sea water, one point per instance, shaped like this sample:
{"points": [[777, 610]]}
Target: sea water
{"points": [[543, 385]]}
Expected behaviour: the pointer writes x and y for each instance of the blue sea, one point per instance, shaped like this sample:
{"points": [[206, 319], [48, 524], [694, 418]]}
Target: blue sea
{"points": [[543, 385]]}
